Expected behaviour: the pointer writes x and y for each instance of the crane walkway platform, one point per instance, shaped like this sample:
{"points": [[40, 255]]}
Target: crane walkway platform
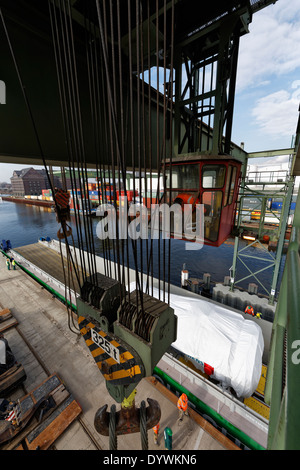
{"points": [[42, 341], [50, 261]]}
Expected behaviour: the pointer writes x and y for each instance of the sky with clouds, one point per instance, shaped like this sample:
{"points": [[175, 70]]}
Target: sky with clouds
{"points": [[268, 79], [268, 82]]}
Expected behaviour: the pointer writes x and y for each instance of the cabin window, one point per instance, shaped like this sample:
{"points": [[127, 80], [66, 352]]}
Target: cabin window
{"points": [[232, 185], [184, 177], [213, 176], [227, 186], [212, 201]]}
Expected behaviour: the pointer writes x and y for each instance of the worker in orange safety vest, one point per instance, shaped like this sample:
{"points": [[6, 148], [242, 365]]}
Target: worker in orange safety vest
{"points": [[249, 309], [155, 430], [182, 405]]}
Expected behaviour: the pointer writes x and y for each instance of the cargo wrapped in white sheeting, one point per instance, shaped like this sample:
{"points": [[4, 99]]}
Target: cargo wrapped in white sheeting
{"points": [[213, 335], [221, 338]]}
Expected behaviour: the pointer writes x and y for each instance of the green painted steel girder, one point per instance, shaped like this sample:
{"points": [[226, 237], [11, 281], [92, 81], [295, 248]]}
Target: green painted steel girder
{"points": [[283, 376], [271, 153]]}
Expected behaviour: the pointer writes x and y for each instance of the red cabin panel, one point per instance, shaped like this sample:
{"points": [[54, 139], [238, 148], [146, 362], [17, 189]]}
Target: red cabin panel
{"points": [[212, 182]]}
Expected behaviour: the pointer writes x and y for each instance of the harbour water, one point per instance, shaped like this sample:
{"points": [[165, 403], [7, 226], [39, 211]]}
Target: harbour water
{"points": [[25, 224]]}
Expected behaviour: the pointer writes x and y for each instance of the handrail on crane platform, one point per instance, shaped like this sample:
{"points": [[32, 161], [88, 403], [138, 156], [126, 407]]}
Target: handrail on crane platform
{"points": [[283, 377]]}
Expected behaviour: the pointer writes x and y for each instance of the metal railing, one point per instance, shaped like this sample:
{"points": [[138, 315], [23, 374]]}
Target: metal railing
{"points": [[267, 176], [283, 377]]}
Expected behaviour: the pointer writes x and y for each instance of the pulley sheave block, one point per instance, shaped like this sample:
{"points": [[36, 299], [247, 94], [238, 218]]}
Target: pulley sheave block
{"points": [[126, 342], [149, 327], [100, 299]]}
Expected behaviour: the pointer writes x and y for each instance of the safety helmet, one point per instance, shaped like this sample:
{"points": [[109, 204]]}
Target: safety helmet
{"points": [[184, 397]]}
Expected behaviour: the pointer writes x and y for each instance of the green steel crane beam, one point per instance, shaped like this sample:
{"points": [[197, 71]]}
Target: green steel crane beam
{"points": [[283, 376]]}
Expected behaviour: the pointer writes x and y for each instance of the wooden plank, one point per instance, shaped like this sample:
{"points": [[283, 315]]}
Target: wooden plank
{"points": [[9, 323], [59, 395], [44, 390], [11, 379], [5, 314], [46, 434]]}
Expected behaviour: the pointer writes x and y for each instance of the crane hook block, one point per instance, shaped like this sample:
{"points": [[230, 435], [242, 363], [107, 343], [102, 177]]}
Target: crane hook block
{"points": [[128, 419], [97, 308], [125, 340]]}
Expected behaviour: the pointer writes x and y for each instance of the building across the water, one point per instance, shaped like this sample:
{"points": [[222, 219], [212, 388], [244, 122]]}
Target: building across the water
{"points": [[30, 181]]}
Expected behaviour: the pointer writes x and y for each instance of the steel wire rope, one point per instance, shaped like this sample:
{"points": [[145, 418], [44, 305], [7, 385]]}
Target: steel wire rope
{"points": [[149, 251], [164, 143], [150, 153], [139, 293], [67, 118], [99, 110], [82, 153], [111, 148], [66, 299], [68, 289], [138, 21], [27, 103], [71, 106], [125, 122], [135, 138], [92, 71], [75, 118], [130, 127], [161, 154], [109, 168], [67, 282], [144, 130], [117, 87], [158, 198], [157, 132], [106, 187], [115, 130], [143, 426], [122, 138], [143, 125], [113, 188], [113, 440], [149, 254], [170, 99], [138, 98]]}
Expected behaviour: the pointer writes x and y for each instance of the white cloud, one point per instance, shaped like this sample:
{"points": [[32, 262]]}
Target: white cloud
{"points": [[281, 162], [271, 47], [269, 61], [276, 114]]}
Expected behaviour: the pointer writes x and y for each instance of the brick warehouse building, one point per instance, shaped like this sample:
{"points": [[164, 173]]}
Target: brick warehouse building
{"points": [[30, 182]]}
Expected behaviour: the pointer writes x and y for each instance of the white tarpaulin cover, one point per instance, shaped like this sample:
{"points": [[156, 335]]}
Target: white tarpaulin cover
{"points": [[221, 338]]}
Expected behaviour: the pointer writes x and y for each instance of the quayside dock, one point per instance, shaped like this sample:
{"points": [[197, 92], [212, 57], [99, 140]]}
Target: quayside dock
{"points": [[246, 424], [41, 340]]}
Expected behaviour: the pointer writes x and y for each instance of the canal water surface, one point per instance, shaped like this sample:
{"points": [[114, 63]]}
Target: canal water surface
{"points": [[25, 224]]}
